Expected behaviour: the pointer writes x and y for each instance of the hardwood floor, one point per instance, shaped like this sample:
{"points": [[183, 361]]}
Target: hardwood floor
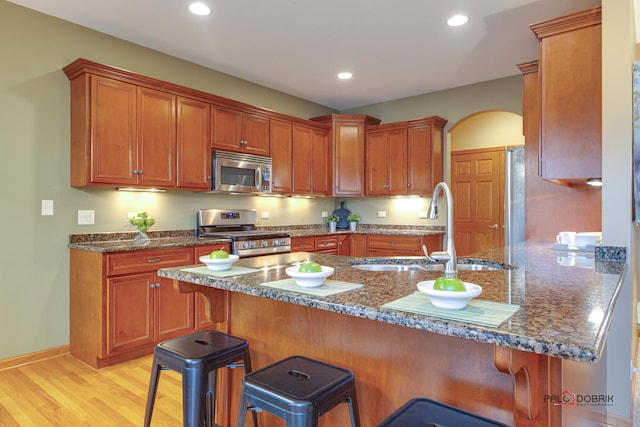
{"points": [[63, 391]]}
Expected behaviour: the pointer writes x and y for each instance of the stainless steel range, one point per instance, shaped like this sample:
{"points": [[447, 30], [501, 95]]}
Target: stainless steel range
{"points": [[239, 225]]}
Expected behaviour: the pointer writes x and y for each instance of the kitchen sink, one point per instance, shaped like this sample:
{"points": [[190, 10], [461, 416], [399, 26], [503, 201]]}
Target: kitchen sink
{"points": [[399, 264]]}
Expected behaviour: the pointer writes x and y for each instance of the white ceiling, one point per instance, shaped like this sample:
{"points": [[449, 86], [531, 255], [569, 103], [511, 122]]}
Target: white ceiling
{"points": [[394, 49]]}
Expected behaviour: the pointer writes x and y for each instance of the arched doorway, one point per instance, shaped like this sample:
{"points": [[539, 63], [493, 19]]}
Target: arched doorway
{"points": [[479, 166]]}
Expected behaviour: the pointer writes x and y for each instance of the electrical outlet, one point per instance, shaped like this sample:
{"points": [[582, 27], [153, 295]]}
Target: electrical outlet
{"points": [[325, 214], [423, 215], [86, 217], [47, 207], [264, 214], [382, 214]]}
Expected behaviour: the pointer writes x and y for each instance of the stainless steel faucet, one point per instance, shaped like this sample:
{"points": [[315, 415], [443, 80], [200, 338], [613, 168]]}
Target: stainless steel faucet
{"points": [[449, 254]]}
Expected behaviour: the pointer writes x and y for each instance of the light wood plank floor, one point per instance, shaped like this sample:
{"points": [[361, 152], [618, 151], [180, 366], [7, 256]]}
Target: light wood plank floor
{"points": [[63, 391]]}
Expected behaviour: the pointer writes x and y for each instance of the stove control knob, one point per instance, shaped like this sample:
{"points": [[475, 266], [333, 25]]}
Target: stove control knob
{"points": [[245, 245], [264, 243], [253, 244]]}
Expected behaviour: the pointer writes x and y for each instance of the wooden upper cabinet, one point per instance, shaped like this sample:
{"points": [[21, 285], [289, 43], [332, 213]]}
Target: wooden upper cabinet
{"points": [[109, 141], [347, 152], [239, 131], [570, 72], [193, 144], [281, 134], [404, 158], [310, 161], [156, 112]]}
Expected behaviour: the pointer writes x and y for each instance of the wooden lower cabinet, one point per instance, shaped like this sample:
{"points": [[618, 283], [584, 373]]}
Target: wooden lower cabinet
{"points": [[383, 245], [120, 308], [358, 245]]}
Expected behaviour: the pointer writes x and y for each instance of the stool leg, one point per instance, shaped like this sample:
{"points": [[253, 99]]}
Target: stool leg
{"points": [[151, 397], [193, 397], [242, 409], [353, 410], [210, 419], [246, 360]]}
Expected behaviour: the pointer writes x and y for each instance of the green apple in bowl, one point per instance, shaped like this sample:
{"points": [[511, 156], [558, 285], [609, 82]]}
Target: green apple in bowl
{"points": [[310, 267], [219, 254], [452, 284]]}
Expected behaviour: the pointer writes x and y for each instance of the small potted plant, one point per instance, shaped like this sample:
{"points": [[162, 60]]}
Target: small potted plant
{"points": [[353, 220], [332, 220]]}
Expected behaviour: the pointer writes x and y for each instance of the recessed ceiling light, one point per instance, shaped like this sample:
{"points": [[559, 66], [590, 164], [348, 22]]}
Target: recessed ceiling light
{"points": [[199, 9], [345, 75], [457, 20]]}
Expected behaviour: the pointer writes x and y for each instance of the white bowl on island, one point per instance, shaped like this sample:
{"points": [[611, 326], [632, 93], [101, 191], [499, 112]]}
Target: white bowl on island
{"points": [[219, 264], [453, 300], [309, 280]]}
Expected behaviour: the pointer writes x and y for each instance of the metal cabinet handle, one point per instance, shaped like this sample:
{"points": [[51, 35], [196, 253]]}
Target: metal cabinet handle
{"points": [[154, 260]]}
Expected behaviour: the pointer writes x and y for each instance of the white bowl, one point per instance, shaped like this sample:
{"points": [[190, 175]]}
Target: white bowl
{"points": [[309, 280], [590, 238], [454, 300], [219, 264]]}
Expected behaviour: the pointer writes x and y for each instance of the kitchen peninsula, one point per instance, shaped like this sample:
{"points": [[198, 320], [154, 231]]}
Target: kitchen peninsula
{"points": [[503, 373]]}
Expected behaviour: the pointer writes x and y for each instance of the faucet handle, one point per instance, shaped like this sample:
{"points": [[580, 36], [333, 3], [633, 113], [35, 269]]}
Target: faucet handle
{"points": [[426, 254]]}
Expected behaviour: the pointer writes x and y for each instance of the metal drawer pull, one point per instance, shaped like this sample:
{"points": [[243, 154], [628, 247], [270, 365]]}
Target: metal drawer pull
{"points": [[154, 260]]}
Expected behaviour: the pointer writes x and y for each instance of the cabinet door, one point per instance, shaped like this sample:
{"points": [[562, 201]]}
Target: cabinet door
{"points": [[377, 164], [282, 156], [130, 311], [358, 245], [301, 160], [397, 159], [174, 310], [348, 159], [156, 138], [113, 132], [343, 245], [419, 167], [320, 162], [227, 129], [571, 97], [193, 145], [255, 134], [384, 245]]}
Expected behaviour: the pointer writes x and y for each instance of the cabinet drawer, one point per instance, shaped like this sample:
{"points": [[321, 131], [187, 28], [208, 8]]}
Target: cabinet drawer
{"points": [[303, 244], [328, 242], [398, 243], [142, 261]]}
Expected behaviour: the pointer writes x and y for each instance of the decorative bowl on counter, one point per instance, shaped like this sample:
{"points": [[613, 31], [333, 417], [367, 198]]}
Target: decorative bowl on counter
{"points": [[141, 225], [453, 300], [219, 264], [309, 280]]}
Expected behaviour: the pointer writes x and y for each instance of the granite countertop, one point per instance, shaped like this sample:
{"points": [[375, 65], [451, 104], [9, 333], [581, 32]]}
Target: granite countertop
{"points": [[565, 311], [118, 242]]}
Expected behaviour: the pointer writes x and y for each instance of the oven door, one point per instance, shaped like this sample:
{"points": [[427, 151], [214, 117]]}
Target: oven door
{"points": [[240, 173]]}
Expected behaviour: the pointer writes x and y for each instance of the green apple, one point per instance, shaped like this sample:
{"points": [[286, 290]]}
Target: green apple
{"points": [[310, 267], [219, 254], [149, 222], [142, 214], [139, 222], [449, 284]]}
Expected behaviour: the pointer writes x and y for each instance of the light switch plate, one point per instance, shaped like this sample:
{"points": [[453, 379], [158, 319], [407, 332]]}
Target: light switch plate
{"points": [[423, 215], [382, 214], [47, 207], [325, 214], [264, 214], [86, 217]]}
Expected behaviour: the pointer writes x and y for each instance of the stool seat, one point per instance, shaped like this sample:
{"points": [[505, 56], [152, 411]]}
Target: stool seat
{"points": [[421, 412], [197, 357], [299, 390]]}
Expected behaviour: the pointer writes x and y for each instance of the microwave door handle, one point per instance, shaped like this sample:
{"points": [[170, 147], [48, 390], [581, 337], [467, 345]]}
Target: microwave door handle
{"points": [[258, 178]]}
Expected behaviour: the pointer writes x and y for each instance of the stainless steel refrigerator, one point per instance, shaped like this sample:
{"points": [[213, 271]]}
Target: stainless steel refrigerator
{"points": [[514, 215]]}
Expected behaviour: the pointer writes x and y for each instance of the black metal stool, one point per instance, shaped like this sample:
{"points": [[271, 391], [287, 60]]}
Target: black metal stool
{"points": [[197, 357], [299, 390], [426, 412]]}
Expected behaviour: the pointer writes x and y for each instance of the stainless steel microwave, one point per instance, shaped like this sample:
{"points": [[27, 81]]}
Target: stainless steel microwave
{"points": [[240, 173]]}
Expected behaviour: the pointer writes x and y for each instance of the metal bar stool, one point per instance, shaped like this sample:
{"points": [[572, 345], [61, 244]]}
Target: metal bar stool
{"points": [[426, 412], [197, 357], [299, 390]]}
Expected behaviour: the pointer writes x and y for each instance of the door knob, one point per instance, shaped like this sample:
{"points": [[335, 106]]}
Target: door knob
{"points": [[494, 226]]}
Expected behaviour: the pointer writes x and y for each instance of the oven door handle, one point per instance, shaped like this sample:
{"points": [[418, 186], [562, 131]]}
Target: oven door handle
{"points": [[258, 178]]}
